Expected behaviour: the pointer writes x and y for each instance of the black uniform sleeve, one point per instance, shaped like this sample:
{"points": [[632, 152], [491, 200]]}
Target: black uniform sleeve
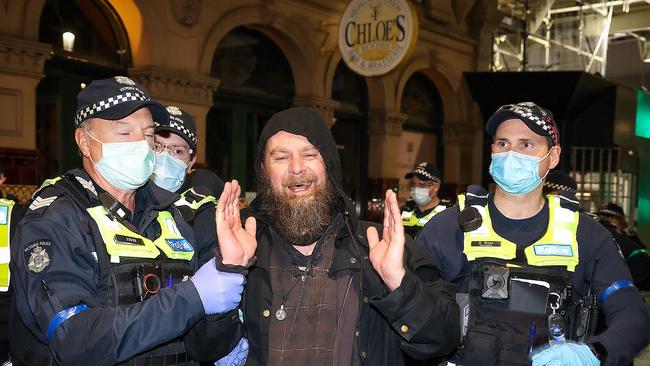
{"points": [[54, 268], [626, 315], [423, 309], [214, 336], [205, 233]]}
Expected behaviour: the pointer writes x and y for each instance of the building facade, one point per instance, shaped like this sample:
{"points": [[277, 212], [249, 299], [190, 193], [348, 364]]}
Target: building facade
{"points": [[232, 65]]}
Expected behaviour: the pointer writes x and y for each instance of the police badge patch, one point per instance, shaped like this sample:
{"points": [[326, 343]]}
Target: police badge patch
{"points": [[38, 256]]}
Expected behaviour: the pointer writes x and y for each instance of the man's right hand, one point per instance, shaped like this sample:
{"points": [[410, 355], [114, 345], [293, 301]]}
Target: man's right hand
{"points": [[237, 244]]}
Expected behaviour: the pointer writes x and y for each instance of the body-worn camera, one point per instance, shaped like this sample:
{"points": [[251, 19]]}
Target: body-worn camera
{"points": [[147, 280], [495, 282]]}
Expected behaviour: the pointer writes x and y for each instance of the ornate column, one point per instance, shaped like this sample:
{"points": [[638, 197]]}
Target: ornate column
{"points": [[384, 130], [460, 158], [191, 92], [21, 69], [323, 105]]}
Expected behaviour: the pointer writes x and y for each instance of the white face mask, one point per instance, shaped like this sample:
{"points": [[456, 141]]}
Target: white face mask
{"points": [[169, 172], [125, 165], [420, 195]]}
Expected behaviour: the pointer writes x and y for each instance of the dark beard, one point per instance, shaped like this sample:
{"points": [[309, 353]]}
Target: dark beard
{"points": [[300, 220]]}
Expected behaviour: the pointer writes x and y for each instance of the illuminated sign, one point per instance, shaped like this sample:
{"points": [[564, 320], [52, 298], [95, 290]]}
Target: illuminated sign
{"points": [[375, 36]]}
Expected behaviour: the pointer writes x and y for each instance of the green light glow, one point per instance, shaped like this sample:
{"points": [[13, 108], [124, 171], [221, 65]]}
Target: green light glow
{"points": [[642, 114]]}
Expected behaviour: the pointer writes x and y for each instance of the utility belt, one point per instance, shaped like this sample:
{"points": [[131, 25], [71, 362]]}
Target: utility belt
{"points": [[514, 309]]}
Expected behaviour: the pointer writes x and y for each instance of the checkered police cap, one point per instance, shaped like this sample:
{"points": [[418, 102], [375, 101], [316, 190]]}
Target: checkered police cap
{"points": [[181, 123], [611, 210], [115, 98], [425, 171], [539, 120], [561, 181]]}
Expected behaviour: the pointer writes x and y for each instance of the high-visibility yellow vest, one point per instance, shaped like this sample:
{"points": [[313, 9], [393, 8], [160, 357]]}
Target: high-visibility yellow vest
{"points": [[557, 247], [194, 200], [6, 207], [409, 218], [120, 241]]}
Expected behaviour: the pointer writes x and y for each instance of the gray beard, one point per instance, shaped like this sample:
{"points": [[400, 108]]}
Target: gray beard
{"points": [[300, 220]]}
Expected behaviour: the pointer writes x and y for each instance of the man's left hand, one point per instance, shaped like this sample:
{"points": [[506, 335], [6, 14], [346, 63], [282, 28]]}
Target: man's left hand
{"points": [[387, 254]]}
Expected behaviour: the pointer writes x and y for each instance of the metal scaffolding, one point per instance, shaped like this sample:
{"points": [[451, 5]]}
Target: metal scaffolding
{"points": [[553, 35]]}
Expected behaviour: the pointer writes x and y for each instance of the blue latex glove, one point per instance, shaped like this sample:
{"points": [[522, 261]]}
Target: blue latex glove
{"points": [[236, 357], [566, 354], [220, 292]]}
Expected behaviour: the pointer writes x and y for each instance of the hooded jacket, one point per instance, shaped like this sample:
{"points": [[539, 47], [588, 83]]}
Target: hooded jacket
{"points": [[420, 317]]}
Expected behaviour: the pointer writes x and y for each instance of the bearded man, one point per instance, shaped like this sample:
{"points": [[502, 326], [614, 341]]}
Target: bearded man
{"points": [[326, 289]]}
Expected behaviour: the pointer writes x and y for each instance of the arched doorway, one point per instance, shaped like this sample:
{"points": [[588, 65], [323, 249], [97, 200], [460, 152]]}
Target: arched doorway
{"points": [[423, 106], [351, 133], [256, 82], [100, 50]]}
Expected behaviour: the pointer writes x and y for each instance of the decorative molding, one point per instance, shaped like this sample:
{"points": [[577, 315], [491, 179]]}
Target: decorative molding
{"points": [[323, 105], [23, 57], [385, 122], [458, 133], [11, 104], [186, 12], [177, 86]]}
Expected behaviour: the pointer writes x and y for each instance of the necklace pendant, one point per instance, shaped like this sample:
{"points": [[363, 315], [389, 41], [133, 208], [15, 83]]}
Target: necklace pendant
{"points": [[281, 314]]}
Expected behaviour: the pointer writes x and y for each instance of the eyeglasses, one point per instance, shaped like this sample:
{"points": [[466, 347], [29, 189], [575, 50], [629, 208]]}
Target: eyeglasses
{"points": [[424, 184], [177, 151]]}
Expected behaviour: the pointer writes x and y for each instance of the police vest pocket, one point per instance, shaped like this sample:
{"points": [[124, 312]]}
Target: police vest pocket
{"points": [[481, 347]]}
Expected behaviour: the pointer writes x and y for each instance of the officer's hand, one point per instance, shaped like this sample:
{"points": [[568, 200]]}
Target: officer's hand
{"points": [[566, 354], [219, 291], [236, 357], [387, 254], [237, 245]]}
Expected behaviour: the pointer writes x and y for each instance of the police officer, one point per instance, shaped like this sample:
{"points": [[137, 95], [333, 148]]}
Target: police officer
{"points": [[559, 182], [425, 182], [635, 254], [175, 147], [616, 217], [102, 260], [530, 262], [10, 214]]}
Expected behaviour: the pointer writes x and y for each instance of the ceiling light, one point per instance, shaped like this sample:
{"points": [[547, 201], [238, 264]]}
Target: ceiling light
{"points": [[68, 41]]}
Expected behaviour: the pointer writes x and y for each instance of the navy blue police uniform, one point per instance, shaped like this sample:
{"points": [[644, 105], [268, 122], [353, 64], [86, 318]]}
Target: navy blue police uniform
{"points": [[626, 315], [59, 261]]}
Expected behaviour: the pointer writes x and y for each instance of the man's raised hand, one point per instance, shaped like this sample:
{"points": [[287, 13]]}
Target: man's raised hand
{"points": [[236, 243], [387, 254]]}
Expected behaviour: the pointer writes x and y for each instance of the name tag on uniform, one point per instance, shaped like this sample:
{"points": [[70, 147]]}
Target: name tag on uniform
{"points": [[127, 240], [179, 245], [559, 250], [486, 243]]}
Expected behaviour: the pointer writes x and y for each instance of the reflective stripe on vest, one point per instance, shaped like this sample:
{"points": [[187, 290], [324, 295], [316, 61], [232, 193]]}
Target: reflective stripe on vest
{"points": [[409, 218], [122, 242], [557, 247], [5, 224], [194, 203]]}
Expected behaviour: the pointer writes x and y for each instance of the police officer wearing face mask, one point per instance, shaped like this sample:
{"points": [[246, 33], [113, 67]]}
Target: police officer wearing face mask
{"points": [[424, 203], [103, 266], [175, 147], [534, 268]]}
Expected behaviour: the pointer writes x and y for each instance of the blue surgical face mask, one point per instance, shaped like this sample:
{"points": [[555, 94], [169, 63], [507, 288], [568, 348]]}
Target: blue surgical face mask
{"points": [[420, 195], [516, 173], [125, 165], [169, 172]]}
